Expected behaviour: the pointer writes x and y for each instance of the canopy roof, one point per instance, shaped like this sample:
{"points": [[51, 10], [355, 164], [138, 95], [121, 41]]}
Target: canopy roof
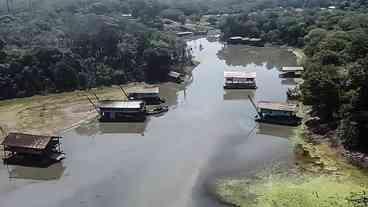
{"points": [[291, 69], [121, 104], [239, 74], [29, 141], [277, 106]]}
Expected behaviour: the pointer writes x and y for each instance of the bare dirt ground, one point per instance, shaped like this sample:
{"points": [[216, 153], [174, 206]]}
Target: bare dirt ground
{"points": [[51, 114]]}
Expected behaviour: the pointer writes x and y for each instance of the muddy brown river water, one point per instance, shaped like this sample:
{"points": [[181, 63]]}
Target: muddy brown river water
{"points": [[170, 160]]}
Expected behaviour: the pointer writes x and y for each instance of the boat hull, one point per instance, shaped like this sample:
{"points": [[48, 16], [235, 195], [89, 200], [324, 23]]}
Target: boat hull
{"points": [[295, 121], [124, 118], [238, 86]]}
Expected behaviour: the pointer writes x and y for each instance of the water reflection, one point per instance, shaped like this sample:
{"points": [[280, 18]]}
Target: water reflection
{"points": [[95, 127], [275, 130], [123, 128], [239, 55], [171, 92], [52, 172], [238, 94], [288, 81]]}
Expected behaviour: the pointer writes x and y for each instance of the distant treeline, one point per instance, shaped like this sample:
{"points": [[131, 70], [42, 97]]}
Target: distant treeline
{"points": [[335, 41], [82, 45]]}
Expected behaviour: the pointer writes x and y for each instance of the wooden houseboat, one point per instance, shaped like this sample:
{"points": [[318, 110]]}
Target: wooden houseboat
{"points": [[18, 146], [291, 72], [277, 113], [111, 110], [239, 80], [151, 96]]}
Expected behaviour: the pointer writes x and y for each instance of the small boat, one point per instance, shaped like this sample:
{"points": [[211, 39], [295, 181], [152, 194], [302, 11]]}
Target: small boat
{"points": [[157, 110], [291, 72], [150, 95]]}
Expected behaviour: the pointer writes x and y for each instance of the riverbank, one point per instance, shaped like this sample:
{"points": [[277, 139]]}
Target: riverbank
{"points": [[53, 113], [321, 176]]}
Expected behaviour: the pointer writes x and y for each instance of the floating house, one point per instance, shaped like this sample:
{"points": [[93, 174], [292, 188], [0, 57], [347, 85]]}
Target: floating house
{"points": [[151, 95], [182, 34], [278, 113], [239, 80], [18, 145], [111, 110], [291, 72]]}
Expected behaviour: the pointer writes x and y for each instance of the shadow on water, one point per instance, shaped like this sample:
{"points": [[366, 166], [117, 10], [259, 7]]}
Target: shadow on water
{"points": [[37, 162], [95, 127], [52, 172], [238, 55], [238, 94]]}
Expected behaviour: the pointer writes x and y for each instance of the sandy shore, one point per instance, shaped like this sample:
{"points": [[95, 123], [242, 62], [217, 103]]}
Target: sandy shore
{"points": [[51, 114]]}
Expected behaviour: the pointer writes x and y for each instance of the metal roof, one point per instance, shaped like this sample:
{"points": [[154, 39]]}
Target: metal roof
{"points": [[239, 74], [277, 106], [184, 33], [236, 38], [291, 69], [144, 90], [29, 141], [120, 104]]}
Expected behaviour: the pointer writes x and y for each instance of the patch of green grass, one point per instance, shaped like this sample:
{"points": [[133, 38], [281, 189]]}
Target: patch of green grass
{"points": [[285, 192]]}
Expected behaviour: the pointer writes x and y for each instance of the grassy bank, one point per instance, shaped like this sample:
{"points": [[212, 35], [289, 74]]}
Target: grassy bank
{"points": [[322, 191]]}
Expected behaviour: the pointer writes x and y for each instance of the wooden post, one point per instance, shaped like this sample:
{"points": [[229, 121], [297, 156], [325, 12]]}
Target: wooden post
{"points": [[254, 105], [124, 92]]}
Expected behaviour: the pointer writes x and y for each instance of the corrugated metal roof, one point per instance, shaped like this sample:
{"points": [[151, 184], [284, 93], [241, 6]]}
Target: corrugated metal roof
{"points": [[277, 106], [121, 104], [27, 141], [291, 69], [144, 90], [239, 74]]}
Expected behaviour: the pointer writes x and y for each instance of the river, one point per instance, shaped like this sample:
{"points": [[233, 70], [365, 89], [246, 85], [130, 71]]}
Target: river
{"points": [[173, 159]]}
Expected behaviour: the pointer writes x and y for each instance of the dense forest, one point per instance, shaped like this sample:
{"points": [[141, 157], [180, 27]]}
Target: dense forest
{"points": [[335, 40], [66, 45], [62, 45]]}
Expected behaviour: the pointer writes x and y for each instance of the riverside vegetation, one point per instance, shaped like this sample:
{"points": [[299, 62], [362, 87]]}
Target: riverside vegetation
{"points": [[54, 46], [58, 46], [335, 91]]}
